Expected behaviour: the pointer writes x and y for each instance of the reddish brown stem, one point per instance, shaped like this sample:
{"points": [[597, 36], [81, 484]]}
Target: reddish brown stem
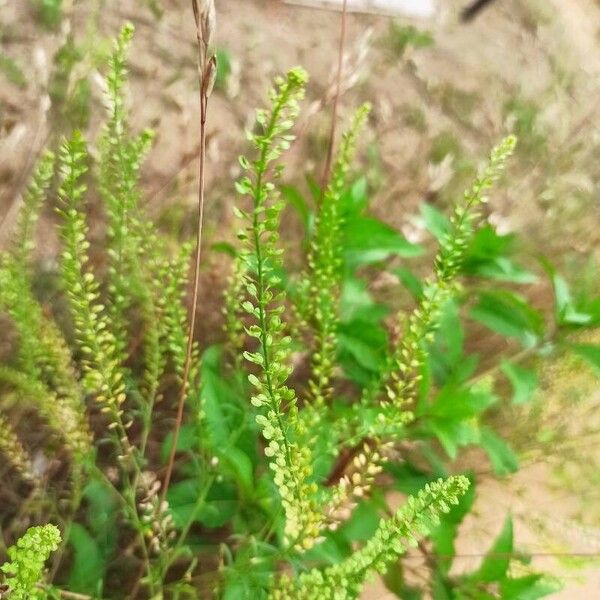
{"points": [[203, 95], [336, 98]]}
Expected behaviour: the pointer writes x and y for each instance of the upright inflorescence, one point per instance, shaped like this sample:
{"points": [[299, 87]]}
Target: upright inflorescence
{"points": [[404, 372], [33, 200], [121, 157], [232, 313], [12, 450], [63, 417], [322, 282], [46, 378], [103, 376], [291, 463]]}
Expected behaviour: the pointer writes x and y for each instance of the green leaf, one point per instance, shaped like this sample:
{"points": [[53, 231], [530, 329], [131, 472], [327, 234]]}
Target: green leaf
{"points": [[296, 200], [488, 255], [435, 221], [510, 315], [182, 499], [354, 200], [223, 68], [224, 248], [501, 455], [496, 562], [240, 466], [219, 507], [88, 564], [590, 353], [524, 381], [567, 313], [364, 343], [453, 434], [356, 303], [362, 524], [410, 281], [221, 405], [186, 440], [449, 365], [529, 587], [457, 403], [367, 241]]}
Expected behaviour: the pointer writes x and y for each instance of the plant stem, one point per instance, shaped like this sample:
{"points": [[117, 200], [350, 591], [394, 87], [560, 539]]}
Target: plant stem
{"points": [[336, 98], [186, 528], [202, 72]]}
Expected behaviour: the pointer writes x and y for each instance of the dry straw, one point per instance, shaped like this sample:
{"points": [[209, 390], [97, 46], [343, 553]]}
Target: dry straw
{"points": [[205, 21]]}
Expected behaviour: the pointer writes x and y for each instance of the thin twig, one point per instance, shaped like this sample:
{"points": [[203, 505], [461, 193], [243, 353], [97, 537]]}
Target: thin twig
{"points": [[502, 555], [336, 98], [65, 593], [204, 18]]}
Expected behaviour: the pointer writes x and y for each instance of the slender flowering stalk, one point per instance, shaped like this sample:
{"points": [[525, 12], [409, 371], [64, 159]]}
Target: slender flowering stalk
{"points": [[321, 285], [121, 157], [103, 375], [386, 419], [44, 360], [32, 202], [291, 463], [233, 315], [344, 581], [60, 415], [409, 355], [401, 378]]}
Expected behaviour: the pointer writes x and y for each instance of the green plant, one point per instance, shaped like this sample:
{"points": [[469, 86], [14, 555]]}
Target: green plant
{"points": [[12, 71], [400, 38], [27, 558], [276, 471], [49, 12]]}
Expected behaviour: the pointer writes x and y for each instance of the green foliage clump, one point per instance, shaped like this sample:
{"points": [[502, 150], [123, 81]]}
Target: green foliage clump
{"points": [[27, 558], [49, 12], [12, 71], [400, 38]]}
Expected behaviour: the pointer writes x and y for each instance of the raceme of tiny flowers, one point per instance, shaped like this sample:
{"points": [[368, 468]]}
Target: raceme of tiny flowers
{"points": [[45, 376], [13, 451], [121, 157], [394, 535], [44, 360], [103, 375], [291, 463], [323, 280], [26, 565], [421, 323], [170, 284], [232, 312], [385, 419], [157, 522], [33, 200], [356, 482], [60, 414]]}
